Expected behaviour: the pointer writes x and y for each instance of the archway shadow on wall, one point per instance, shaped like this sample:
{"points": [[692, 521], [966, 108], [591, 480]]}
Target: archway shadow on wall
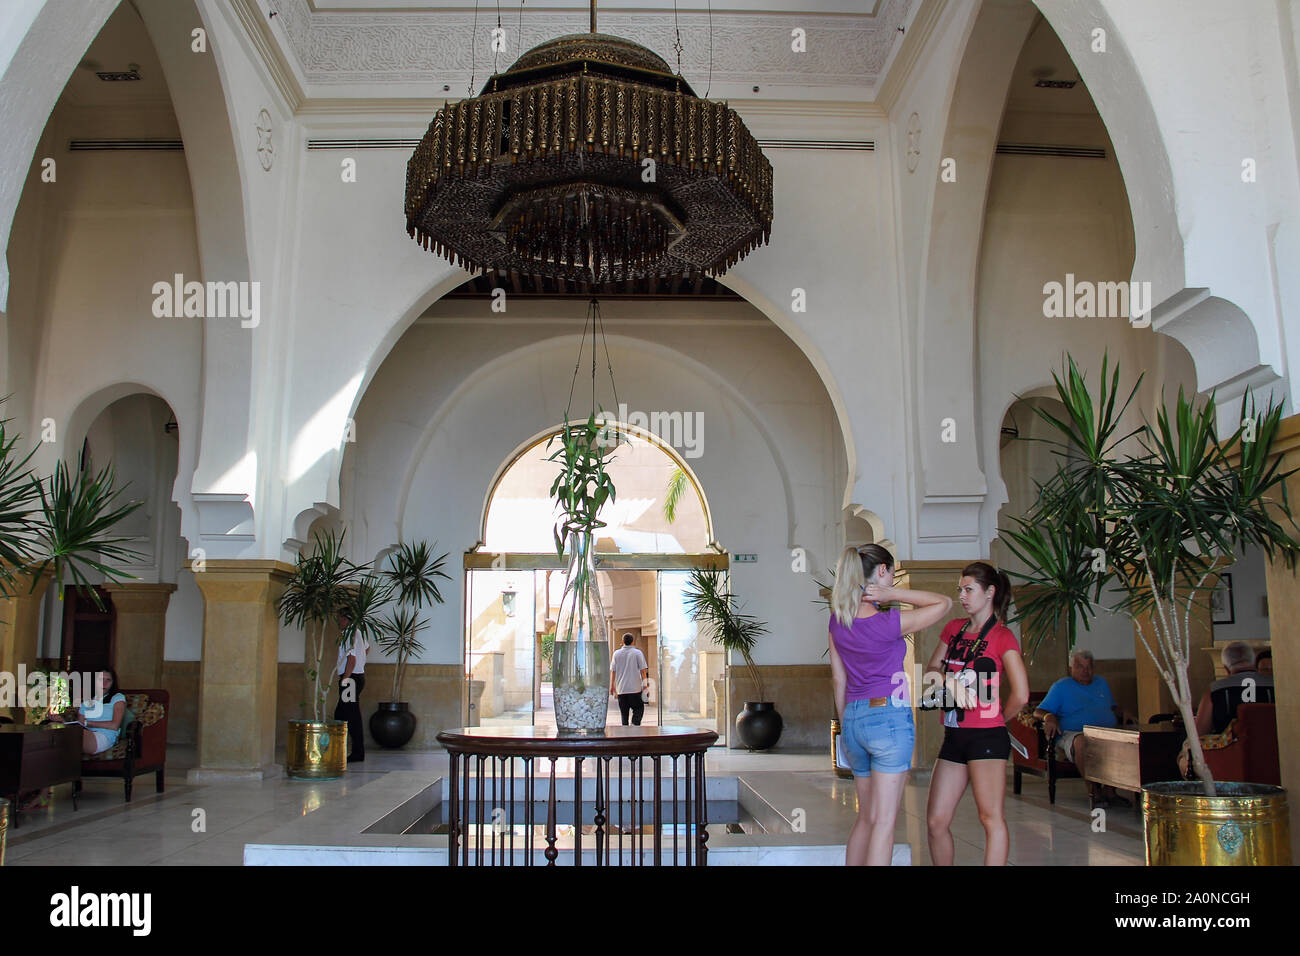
{"points": [[571, 341]]}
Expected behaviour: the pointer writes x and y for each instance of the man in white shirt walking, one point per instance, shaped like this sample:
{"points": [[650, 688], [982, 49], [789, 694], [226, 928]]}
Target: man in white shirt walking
{"points": [[352, 679], [627, 678]]}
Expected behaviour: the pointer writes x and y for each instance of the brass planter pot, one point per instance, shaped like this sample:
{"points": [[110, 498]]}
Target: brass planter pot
{"points": [[1246, 824], [316, 749], [835, 752]]}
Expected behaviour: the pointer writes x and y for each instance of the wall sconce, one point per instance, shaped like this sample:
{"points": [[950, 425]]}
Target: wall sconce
{"points": [[508, 602]]}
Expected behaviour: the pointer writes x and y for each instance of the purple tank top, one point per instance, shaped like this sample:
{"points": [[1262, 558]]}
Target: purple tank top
{"points": [[872, 651]]}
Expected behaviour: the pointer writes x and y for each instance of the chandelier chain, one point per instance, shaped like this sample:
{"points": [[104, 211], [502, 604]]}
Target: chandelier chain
{"points": [[677, 44], [608, 362], [577, 367], [709, 86], [596, 324], [473, 50], [498, 41]]}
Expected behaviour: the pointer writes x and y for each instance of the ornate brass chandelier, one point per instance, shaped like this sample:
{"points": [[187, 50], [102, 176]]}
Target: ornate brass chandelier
{"points": [[589, 161]]}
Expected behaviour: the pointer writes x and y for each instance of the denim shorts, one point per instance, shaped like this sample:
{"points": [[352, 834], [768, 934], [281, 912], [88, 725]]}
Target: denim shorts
{"points": [[878, 738]]}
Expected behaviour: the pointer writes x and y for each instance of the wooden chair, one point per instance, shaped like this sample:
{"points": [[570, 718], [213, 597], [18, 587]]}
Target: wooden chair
{"points": [[1042, 760], [141, 746]]}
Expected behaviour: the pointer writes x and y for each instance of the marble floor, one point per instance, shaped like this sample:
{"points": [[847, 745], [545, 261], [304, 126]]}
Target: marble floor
{"points": [[210, 824]]}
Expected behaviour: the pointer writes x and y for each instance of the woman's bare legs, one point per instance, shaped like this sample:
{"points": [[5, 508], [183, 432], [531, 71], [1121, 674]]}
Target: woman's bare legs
{"points": [[886, 795], [988, 780], [947, 784], [855, 854]]}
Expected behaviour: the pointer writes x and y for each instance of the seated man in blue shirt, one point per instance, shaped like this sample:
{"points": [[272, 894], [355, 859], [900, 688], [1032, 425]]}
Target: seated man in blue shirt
{"points": [[1082, 698]]}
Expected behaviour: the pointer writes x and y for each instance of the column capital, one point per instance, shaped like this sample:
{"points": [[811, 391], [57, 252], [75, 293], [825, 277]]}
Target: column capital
{"points": [[223, 574]]}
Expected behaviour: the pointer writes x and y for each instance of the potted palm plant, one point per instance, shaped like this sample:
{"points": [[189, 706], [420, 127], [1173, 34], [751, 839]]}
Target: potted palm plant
{"points": [[412, 572], [61, 523], [708, 602], [326, 588], [1150, 515]]}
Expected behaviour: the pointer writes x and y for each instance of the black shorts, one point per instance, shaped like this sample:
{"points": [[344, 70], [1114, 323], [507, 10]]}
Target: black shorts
{"points": [[963, 744]]}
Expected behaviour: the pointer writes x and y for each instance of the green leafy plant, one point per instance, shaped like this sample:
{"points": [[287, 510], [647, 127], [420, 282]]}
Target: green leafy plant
{"points": [[326, 587], [580, 490], [79, 510], [61, 523], [1150, 525], [412, 572], [583, 485], [677, 485], [709, 602]]}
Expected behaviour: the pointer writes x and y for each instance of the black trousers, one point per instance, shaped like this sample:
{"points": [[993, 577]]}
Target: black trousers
{"points": [[351, 712], [633, 703]]}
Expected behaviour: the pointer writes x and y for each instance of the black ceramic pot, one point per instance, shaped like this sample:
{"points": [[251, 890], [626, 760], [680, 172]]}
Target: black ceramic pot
{"points": [[759, 725], [392, 725]]}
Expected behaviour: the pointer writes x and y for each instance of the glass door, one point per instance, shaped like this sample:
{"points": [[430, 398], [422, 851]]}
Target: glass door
{"points": [[503, 650], [691, 667]]}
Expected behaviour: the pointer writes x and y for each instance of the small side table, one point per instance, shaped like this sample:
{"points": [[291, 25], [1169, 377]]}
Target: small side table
{"points": [[33, 757]]}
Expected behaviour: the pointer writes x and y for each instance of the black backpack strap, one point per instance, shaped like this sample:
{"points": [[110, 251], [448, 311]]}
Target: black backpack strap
{"points": [[969, 657]]}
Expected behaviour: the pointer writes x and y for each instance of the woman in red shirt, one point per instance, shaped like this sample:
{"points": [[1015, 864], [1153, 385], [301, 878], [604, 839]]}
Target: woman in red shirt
{"points": [[969, 664]]}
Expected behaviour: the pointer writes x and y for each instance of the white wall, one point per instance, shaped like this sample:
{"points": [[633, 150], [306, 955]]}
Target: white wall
{"points": [[463, 390], [1249, 590]]}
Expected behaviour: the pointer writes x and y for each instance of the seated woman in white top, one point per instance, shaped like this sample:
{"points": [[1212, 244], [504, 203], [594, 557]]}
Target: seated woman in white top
{"points": [[101, 713]]}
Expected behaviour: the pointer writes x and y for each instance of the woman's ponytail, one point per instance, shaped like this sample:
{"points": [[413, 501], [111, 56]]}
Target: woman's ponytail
{"points": [[1002, 599], [856, 567]]}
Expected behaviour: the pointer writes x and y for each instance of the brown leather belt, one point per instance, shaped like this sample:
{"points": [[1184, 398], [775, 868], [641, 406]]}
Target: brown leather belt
{"points": [[877, 701]]}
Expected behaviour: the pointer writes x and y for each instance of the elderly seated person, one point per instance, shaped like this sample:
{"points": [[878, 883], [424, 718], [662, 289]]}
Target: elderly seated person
{"points": [[1264, 662], [1244, 684], [1082, 698]]}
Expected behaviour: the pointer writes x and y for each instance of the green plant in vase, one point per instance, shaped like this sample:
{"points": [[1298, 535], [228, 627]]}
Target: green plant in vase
{"points": [[412, 572], [313, 597], [709, 602], [580, 665]]}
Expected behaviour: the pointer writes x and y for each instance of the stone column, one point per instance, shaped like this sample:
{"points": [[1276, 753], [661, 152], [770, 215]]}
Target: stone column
{"points": [[1284, 636], [940, 576], [20, 624], [237, 682], [141, 628]]}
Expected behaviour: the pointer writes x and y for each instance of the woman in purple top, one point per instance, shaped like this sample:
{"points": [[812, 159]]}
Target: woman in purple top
{"points": [[867, 652]]}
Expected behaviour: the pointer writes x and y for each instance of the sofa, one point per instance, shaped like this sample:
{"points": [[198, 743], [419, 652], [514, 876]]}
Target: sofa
{"points": [[1043, 760], [1246, 752], [141, 746]]}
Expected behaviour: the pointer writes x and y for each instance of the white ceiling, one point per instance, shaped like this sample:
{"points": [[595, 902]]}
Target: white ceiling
{"points": [[121, 42], [396, 48]]}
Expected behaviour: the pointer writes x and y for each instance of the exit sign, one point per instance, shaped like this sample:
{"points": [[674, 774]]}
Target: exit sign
{"points": [[744, 558]]}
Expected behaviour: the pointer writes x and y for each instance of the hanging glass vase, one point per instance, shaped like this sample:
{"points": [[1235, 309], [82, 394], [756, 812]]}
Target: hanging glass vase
{"points": [[580, 661]]}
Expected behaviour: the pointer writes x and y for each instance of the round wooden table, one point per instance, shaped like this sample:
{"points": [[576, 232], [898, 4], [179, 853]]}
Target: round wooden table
{"points": [[483, 776]]}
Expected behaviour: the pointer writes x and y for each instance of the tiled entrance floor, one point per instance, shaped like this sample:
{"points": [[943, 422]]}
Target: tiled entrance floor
{"points": [[210, 824]]}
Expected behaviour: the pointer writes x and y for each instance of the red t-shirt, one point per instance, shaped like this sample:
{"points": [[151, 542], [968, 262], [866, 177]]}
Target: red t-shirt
{"points": [[987, 670]]}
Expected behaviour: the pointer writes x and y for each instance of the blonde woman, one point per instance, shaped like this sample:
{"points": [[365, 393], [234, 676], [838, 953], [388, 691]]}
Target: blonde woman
{"points": [[871, 696]]}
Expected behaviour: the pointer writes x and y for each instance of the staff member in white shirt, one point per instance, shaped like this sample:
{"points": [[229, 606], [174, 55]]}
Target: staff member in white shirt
{"points": [[352, 678], [627, 678]]}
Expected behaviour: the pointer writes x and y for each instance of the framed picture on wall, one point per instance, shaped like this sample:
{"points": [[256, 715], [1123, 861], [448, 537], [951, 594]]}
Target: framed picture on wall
{"points": [[1221, 608]]}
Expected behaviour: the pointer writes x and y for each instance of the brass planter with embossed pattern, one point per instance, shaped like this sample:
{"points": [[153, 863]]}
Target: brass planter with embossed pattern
{"points": [[316, 749], [1245, 824]]}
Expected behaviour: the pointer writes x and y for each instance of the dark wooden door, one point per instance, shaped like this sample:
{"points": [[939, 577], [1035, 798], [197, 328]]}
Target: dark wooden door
{"points": [[89, 632]]}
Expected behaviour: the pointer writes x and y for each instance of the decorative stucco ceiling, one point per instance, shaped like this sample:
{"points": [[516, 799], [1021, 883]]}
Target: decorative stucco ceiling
{"points": [[392, 48]]}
